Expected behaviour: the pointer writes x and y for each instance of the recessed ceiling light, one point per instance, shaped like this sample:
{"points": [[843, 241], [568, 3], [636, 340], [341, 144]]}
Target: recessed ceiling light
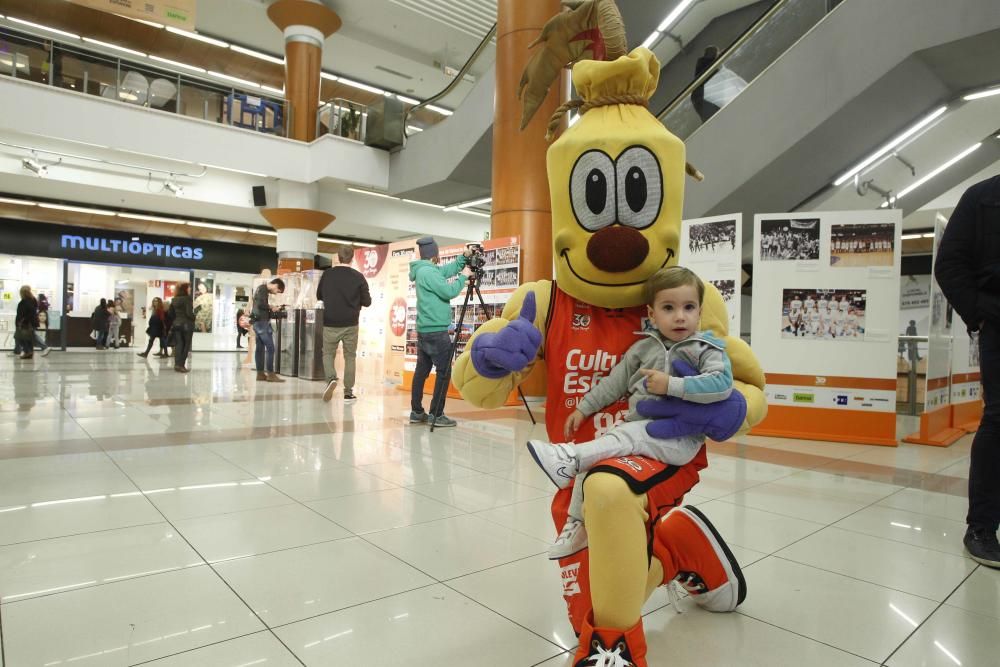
{"points": [[213, 225], [889, 146], [257, 54], [475, 202], [21, 202], [362, 86], [177, 64], [674, 15], [152, 218], [77, 209], [373, 194], [981, 94], [328, 76], [907, 190], [200, 38], [143, 21], [108, 45], [440, 110], [408, 100], [261, 231], [44, 27], [423, 203], [276, 91], [652, 38], [237, 171], [234, 79]]}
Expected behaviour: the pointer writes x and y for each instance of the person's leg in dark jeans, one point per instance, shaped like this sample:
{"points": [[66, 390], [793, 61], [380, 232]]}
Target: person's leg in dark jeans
{"points": [[984, 467], [420, 375], [265, 352], [149, 346], [184, 335], [441, 355]]}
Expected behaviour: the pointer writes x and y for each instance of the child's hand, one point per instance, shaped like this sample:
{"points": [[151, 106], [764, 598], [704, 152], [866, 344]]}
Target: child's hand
{"points": [[573, 423], [657, 382]]}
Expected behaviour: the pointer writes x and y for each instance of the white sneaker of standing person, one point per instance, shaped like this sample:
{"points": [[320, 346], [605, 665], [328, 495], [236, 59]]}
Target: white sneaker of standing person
{"points": [[46, 351], [557, 460], [572, 538]]}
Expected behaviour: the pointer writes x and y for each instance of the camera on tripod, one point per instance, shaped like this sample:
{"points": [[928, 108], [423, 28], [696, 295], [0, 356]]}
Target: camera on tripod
{"points": [[477, 259]]}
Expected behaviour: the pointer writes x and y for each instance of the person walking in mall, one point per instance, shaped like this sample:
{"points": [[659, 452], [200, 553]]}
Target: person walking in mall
{"points": [[968, 270], [260, 316], [26, 323], [434, 316], [114, 323], [182, 315], [155, 327], [344, 292], [100, 320]]}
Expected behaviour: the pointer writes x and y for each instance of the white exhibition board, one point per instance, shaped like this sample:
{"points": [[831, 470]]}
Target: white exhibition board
{"points": [[712, 248], [803, 264], [939, 339]]}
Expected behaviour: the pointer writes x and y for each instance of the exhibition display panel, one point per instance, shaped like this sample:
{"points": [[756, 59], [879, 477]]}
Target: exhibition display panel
{"points": [[712, 248], [824, 323]]}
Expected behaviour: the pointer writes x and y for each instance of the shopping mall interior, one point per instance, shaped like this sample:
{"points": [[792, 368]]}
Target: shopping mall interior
{"points": [[804, 158]]}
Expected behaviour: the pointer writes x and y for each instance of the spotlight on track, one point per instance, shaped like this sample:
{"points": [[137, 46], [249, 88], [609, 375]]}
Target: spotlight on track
{"points": [[35, 167], [175, 188]]}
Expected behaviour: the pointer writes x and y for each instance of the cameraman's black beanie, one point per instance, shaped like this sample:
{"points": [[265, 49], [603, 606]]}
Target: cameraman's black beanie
{"points": [[428, 247]]}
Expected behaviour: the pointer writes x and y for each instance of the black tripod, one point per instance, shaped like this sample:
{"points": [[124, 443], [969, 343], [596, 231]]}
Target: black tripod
{"points": [[441, 388]]}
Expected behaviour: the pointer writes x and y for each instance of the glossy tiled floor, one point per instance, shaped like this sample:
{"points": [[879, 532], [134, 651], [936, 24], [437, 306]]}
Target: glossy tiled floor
{"points": [[148, 517]]}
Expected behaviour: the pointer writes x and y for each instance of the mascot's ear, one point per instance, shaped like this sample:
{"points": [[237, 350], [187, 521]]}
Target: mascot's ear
{"points": [[589, 30]]}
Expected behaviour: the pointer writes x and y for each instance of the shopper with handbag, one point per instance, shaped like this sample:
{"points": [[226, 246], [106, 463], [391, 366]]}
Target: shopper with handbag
{"points": [[26, 322], [156, 327]]}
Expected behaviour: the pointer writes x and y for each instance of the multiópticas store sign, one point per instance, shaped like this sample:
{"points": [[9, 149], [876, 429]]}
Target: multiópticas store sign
{"points": [[20, 237]]}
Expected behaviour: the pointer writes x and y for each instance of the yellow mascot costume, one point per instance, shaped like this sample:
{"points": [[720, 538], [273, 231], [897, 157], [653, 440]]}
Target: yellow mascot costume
{"points": [[616, 179]]}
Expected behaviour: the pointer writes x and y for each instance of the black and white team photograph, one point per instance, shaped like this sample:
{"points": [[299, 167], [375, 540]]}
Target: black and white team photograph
{"points": [[789, 240], [862, 245], [823, 314], [727, 288], [712, 237]]}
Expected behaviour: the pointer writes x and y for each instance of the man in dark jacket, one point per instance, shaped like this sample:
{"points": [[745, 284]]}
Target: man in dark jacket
{"points": [[968, 271], [344, 292]]}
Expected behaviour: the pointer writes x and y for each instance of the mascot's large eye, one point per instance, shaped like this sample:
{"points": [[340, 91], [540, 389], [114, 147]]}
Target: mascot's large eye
{"points": [[592, 190], [640, 187]]}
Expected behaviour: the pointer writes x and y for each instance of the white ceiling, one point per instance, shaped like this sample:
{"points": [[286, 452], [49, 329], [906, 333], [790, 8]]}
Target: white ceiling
{"points": [[962, 126], [386, 43]]}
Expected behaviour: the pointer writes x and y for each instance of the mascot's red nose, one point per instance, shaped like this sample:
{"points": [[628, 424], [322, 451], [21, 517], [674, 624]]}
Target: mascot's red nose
{"points": [[617, 249]]}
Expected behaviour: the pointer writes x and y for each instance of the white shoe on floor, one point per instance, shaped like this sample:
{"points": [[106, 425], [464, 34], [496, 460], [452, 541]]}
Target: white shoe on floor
{"points": [[331, 386], [572, 539], [557, 460], [46, 351]]}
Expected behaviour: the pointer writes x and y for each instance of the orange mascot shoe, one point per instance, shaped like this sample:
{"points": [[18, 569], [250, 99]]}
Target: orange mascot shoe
{"points": [[603, 647], [694, 555]]}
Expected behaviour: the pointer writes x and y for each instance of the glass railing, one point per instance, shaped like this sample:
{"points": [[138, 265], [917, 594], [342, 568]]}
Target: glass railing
{"points": [[342, 118], [58, 64], [742, 61]]}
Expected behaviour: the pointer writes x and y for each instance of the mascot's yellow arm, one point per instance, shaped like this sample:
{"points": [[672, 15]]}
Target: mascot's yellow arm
{"points": [[486, 393]]}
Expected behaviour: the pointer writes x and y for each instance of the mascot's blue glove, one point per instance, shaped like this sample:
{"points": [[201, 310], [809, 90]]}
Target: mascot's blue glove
{"points": [[496, 355], [674, 417]]}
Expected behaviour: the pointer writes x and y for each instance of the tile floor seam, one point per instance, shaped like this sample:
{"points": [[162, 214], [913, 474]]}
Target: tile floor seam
{"points": [[360, 537], [3, 657], [559, 648], [353, 605], [859, 532], [90, 532], [198, 648], [928, 618], [806, 637], [207, 564], [974, 612], [852, 577]]}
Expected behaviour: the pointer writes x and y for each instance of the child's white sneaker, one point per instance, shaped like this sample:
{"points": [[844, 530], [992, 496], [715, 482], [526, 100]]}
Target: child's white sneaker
{"points": [[572, 539], [557, 460]]}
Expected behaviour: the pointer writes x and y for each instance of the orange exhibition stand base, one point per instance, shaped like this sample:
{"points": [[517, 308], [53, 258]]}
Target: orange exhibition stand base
{"points": [[966, 416], [936, 429], [831, 425], [407, 385]]}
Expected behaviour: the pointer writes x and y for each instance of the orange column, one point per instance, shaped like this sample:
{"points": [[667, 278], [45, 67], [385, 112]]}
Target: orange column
{"points": [[521, 205], [305, 25], [298, 230]]}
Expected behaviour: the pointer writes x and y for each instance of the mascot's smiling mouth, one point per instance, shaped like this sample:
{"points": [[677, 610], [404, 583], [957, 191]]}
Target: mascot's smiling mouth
{"points": [[565, 255]]}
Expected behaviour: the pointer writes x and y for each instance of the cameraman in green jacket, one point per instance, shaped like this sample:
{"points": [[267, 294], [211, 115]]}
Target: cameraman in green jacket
{"points": [[434, 317]]}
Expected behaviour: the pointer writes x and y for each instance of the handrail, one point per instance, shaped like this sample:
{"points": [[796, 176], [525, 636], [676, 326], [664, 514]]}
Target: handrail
{"points": [[721, 60], [454, 83]]}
